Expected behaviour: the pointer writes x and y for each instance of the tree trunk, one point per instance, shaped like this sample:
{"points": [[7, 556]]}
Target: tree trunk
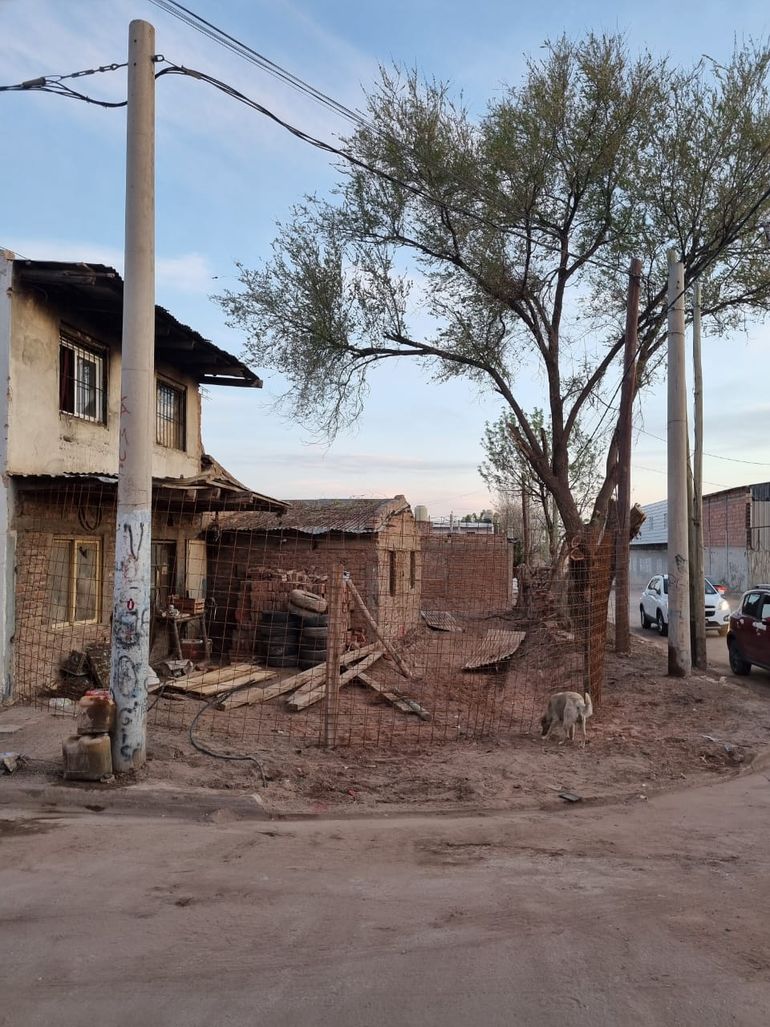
{"points": [[591, 557]]}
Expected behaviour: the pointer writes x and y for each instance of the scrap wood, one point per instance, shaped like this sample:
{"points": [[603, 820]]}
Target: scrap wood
{"points": [[316, 676], [204, 691], [399, 701], [376, 628], [315, 695], [311, 677], [440, 620], [496, 645]]}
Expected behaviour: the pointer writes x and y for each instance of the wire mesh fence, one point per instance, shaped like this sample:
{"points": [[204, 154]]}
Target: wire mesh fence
{"points": [[345, 622]]}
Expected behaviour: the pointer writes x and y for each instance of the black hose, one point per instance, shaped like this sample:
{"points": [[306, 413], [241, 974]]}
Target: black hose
{"points": [[223, 755]]}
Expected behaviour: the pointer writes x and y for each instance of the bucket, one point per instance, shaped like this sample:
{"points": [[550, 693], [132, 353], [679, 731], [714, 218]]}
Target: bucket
{"points": [[87, 757]]}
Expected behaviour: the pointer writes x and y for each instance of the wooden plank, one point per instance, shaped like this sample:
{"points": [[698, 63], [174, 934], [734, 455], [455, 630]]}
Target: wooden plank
{"points": [[305, 679], [316, 694], [440, 620], [496, 645], [204, 691], [376, 629], [399, 701], [335, 643], [213, 681]]}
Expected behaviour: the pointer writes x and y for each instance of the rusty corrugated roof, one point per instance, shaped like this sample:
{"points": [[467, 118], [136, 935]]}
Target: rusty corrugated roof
{"points": [[320, 516]]}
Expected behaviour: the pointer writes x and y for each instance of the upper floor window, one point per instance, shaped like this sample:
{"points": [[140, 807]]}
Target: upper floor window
{"points": [[170, 416], [82, 381]]}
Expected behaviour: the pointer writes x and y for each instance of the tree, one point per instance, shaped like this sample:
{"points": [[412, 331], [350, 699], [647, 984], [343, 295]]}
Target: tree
{"points": [[507, 472], [518, 228]]}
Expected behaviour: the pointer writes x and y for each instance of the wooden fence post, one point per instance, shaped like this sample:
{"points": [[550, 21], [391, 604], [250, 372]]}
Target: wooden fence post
{"points": [[335, 644]]}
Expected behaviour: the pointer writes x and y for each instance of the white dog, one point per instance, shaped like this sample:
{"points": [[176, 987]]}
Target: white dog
{"points": [[565, 710]]}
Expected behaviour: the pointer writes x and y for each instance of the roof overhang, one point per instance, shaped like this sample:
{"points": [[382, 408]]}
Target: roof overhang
{"points": [[96, 291]]}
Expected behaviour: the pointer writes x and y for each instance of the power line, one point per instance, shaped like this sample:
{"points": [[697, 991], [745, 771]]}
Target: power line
{"points": [[713, 456], [241, 49]]}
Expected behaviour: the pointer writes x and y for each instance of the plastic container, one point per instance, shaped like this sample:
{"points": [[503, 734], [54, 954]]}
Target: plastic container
{"points": [[87, 757], [96, 713]]}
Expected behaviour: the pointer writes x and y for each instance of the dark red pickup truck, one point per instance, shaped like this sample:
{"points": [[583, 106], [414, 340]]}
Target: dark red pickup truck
{"points": [[748, 636]]}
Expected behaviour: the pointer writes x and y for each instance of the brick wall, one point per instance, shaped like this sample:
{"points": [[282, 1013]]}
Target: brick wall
{"points": [[366, 558], [466, 573], [727, 518]]}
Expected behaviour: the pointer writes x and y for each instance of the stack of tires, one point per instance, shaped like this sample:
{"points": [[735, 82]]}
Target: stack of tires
{"points": [[277, 639], [309, 611]]}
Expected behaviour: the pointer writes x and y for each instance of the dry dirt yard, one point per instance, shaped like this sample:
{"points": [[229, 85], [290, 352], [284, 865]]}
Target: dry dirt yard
{"points": [[651, 734]]}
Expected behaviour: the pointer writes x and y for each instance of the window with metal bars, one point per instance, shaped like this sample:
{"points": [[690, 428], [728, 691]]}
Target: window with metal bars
{"points": [[170, 416], [82, 381]]}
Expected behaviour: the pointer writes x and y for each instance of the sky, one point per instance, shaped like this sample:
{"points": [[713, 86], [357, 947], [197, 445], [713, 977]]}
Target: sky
{"points": [[225, 176]]}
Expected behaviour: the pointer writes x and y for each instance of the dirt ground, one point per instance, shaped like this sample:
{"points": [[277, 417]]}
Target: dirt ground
{"points": [[594, 916], [651, 733]]}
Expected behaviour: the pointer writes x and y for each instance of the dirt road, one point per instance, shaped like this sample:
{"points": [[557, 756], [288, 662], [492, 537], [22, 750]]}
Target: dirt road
{"points": [[652, 912]]}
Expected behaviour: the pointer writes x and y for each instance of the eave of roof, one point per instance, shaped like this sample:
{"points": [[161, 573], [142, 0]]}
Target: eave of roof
{"points": [[97, 291], [321, 517]]}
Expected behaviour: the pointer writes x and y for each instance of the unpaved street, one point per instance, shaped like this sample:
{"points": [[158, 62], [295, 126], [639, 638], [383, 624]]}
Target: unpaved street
{"points": [[650, 912]]}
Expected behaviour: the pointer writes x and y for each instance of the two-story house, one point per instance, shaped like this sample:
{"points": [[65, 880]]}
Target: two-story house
{"points": [[60, 352]]}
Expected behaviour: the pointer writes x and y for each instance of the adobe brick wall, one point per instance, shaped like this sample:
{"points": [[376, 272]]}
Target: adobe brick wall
{"points": [[39, 647], [366, 558], [466, 573]]}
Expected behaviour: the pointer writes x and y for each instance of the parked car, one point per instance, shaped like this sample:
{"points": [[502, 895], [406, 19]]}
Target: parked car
{"points": [[653, 606], [748, 637]]}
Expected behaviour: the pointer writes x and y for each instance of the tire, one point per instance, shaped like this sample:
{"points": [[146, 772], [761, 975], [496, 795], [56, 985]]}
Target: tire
{"points": [[308, 664], [278, 635], [737, 663], [268, 652], [304, 600], [276, 617], [646, 622], [662, 626], [311, 632], [314, 655], [308, 619], [281, 661]]}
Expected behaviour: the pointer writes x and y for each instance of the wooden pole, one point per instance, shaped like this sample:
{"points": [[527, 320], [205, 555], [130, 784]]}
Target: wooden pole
{"points": [[679, 654], [335, 644], [625, 427], [376, 629], [697, 584]]}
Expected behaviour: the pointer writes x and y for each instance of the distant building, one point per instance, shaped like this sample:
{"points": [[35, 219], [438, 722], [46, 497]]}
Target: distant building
{"points": [[736, 538]]}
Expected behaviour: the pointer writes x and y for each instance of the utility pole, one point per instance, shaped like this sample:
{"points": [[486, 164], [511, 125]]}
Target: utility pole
{"points": [[131, 597], [679, 657], [625, 426], [697, 586]]}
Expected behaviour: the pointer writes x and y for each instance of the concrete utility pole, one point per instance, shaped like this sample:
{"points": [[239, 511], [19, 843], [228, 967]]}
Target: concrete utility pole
{"points": [[679, 657], [625, 426], [697, 615], [131, 599]]}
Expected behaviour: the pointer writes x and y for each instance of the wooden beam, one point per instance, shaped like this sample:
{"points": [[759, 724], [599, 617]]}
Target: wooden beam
{"points": [[315, 695], [406, 672], [399, 701], [335, 644]]}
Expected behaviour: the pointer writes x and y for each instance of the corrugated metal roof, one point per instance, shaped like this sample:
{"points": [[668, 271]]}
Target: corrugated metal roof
{"points": [[654, 530], [96, 291], [321, 516]]}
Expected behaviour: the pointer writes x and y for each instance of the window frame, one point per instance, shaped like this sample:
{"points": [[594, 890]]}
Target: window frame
{"points": [[412, 570], [171, 424], [73, 541], [80, 346], [392, 572]]}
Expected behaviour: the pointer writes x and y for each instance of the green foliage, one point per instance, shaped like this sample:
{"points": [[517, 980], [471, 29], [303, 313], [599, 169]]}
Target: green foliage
{"points": [[502, 248]]}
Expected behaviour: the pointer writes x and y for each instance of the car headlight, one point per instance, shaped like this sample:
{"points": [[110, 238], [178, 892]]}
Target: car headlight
{"points": [[724, 606]]}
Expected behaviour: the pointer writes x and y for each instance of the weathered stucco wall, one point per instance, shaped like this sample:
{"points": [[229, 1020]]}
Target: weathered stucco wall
{"points": [[466, 573], [42, 440]]}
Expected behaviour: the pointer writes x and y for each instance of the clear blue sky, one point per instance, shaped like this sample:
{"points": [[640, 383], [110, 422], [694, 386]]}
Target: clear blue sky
{"points": [[226, 175]]}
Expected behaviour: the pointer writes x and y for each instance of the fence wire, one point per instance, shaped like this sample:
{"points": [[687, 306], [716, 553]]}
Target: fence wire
{"points": [[440, 636]]}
